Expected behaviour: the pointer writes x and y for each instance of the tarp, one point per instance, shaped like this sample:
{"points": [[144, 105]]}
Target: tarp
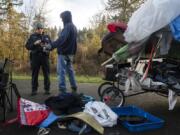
{"points": [[30, 113], [49, 120], [151, 17], [87, 118], [175, 28]]}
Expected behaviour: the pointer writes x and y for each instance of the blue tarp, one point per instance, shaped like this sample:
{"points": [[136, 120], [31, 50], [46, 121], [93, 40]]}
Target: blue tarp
{"points": [[49, 120], [175, 28]]}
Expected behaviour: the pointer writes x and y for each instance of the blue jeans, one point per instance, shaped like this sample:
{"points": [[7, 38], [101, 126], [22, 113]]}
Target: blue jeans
{"points": [[64, 65]]}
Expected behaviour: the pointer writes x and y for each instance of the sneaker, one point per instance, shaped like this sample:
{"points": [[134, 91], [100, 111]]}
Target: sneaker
{"points": [[33, 93], [47, 93]]}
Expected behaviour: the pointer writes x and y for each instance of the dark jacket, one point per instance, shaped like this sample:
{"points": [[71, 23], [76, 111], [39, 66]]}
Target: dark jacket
{"points": [[65, 103], [66, 44], [35, 49]]}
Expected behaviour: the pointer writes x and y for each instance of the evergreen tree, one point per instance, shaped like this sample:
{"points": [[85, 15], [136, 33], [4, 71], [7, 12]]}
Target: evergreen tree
{"points": [[122, 9], [8, 19], [6, 7]]}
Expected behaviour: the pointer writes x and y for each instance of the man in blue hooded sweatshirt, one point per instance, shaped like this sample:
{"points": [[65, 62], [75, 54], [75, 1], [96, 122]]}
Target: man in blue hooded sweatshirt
{"points": [[66, 45]]}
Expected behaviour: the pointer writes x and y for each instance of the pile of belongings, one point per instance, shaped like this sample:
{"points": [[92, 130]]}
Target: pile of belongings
{"points": [[151, 32], [76, 112], [150, 18]]}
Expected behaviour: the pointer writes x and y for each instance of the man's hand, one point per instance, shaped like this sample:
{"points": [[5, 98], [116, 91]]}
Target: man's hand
{"points": [[45, 50], [37, 42], [48, 47]]}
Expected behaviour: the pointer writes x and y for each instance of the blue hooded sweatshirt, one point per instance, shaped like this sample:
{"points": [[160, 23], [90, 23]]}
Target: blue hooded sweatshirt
{"points": [[66, 43]]}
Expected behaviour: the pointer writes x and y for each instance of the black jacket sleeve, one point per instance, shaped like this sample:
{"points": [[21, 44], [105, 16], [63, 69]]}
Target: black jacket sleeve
{"points": [[46, 39], [30, 43]]}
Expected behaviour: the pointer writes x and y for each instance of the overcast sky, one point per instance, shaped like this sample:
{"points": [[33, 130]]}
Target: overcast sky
{"points": [[82, 10]]}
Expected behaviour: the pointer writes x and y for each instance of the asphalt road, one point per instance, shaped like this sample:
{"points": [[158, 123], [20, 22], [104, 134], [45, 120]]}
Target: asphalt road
{"points": [[150, 102]]}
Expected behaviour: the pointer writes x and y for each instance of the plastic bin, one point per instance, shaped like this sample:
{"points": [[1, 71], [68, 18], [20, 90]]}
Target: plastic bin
{"points": [[152, 122]]}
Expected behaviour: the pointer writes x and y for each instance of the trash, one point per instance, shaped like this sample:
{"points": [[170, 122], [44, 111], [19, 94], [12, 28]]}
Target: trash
{"points": [[61, 125], [84, 129], [43, 131], [85, 99], [102, 113], [86, 118], [80, 128], [172, 99]]}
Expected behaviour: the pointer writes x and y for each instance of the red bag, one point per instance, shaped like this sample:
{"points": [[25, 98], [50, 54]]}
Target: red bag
{"points": [[112, 27]]}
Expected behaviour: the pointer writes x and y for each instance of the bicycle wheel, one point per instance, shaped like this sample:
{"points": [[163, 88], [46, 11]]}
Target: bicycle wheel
{"points": [[103, 86], [113, 97]]}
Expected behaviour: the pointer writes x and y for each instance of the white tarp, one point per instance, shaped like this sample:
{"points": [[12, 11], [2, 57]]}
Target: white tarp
{"points": [[172, 99], [150, 17]]}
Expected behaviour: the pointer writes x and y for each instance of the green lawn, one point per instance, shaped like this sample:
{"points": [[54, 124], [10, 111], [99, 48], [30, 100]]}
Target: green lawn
{"points": [[80, 79]]}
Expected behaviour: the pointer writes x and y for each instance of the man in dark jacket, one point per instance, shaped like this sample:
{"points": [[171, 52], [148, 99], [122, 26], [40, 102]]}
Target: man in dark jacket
{"points": [[39, 58], [66, 46]]}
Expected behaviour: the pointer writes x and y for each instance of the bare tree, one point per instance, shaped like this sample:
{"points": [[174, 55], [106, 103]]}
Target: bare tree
{"points": [[33, 15]]}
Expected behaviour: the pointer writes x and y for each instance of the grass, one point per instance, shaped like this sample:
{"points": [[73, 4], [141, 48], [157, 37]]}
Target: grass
{"points": [[79, 78]]}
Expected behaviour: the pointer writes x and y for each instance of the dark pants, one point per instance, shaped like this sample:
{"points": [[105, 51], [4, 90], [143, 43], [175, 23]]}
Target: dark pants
{"points": [[37, 61]]}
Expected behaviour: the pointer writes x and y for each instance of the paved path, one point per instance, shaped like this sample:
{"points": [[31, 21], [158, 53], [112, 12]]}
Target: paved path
{"points": [[150, 102]]}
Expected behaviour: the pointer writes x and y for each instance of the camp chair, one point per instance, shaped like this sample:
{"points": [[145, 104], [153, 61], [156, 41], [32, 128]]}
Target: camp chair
{"points": [[7, 88]]}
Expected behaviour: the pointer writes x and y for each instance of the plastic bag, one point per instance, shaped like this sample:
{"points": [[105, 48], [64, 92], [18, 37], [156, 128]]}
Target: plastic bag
{"points": [[132, 83], [102, 113], [150, 17], [172, 99]]}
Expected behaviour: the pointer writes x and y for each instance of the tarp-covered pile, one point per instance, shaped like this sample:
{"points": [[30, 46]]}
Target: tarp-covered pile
{"points": [[155, 27], [42, 115], [152, 16]]}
